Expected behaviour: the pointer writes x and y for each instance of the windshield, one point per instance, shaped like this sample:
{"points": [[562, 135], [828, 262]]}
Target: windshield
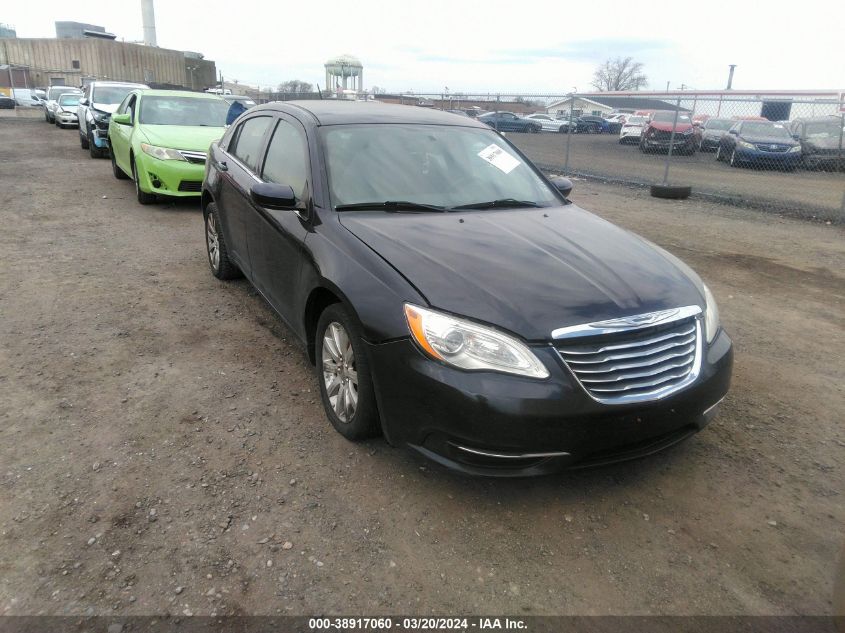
{"points": [[166, 110], [823, 129], [719, 124], [633, 120], [55, 91], [668, 117], [69, 100], [774, 130], [437, 165], [109, 94]]}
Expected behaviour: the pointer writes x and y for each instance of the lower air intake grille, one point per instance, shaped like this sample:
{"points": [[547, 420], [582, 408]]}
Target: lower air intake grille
{"points": [[190, 185], [635, 359]]}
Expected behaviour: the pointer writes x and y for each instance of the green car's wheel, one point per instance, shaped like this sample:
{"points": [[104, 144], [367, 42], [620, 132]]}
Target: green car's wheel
{"points": [[143, 196], [117, 171]]}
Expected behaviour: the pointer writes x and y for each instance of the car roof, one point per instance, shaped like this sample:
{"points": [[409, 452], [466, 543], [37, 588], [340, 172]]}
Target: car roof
{"points": [[151, 92], [342, 112], [818, 119], [117, 83]]}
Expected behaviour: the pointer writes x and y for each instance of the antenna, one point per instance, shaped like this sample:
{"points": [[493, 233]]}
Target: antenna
{"points": [[320, 91]]}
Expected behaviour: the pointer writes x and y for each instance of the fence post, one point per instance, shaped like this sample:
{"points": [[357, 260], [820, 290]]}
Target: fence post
{"points": [[671, 143], [569, 132], [496, 120]]}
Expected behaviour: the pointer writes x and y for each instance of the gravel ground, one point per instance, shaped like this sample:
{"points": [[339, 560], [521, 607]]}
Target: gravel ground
{"points": [[163, 448], [801, 193]]}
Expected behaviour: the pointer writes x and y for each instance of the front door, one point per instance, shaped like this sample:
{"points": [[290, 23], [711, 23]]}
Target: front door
{"points": [[276, 237]]}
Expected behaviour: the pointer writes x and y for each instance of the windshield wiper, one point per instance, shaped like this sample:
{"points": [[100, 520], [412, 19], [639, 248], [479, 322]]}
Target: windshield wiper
{"points": [[390, 205], [498, 204]]}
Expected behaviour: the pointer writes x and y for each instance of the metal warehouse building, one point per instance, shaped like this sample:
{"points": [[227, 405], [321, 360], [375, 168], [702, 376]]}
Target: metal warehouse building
{"points": [[74, 62]]}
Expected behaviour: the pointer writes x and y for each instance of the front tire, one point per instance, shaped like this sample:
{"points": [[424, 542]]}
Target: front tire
{"points": [[83, 139], [734, 162], [346, 386], [117, 171], [215, 245], [142, 196], [95, 151]]}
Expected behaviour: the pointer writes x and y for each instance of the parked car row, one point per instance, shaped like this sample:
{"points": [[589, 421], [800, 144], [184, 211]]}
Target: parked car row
{"points": [[157, 138]]}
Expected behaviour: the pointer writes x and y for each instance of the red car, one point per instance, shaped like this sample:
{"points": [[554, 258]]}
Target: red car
{"points": [[657, 134]]}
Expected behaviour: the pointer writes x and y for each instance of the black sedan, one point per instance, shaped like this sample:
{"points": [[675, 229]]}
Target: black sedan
{"points": [[510, 122], [450, 295]]}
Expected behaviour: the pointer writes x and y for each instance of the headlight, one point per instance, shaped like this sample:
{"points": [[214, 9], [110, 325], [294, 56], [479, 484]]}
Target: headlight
{"points": [[797, 148], [745, 144], [711, 315], [162, 153], [99, 116], [467, 345]]}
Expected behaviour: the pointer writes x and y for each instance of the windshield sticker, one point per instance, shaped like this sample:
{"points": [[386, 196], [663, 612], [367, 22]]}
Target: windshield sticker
{"points": [[499, 158]]}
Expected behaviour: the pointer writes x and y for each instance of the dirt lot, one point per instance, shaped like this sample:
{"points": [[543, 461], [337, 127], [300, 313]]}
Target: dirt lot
{"points": [[163, 449], [818, 192]]}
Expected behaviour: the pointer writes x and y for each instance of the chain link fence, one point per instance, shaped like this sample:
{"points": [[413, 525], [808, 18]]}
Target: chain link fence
{"points": [[782, 153]]}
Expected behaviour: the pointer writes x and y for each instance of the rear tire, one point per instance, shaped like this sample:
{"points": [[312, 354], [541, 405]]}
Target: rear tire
{"points": [[215, 245], [343, 373]]}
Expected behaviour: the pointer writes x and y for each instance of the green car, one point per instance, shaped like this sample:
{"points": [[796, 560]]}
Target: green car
{"points": [[160, 139]]}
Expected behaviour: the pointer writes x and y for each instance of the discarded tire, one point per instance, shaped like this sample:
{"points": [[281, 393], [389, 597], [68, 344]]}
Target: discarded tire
{"points": [[672, 192]]}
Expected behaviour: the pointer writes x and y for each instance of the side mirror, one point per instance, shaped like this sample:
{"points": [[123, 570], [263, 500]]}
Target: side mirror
{"points": [[564, 185], [272, 196], [797, 137], [732, 132], [122, 119]]}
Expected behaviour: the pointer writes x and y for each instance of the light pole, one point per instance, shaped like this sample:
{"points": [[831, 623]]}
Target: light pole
{"points": [[730, 76]]}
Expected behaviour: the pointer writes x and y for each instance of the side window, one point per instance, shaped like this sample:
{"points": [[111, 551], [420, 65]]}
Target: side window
{"points": [[130, 108], [121, 109], [287, 159], [248, 139]]}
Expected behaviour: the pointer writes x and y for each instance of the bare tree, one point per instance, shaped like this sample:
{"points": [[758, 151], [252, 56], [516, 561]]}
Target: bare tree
{"points": [[619, 74], [295, 86]]}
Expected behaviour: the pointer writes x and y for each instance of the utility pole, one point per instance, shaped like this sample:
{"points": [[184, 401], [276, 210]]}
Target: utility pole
{"points": [[730, 76]]}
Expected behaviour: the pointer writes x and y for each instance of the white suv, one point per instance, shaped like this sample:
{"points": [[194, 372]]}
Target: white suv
{"points": [[99, 100]]}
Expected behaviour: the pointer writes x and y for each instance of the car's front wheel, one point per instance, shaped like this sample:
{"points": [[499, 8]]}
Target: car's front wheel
{"points": [[215, 243], [734, 161], [83, 139], [142, 196], [117, 171], [346, 386]]}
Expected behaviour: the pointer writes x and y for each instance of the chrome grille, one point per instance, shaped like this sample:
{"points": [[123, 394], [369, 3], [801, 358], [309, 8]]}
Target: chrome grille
{"points": [[193, 157], [635, 359]]}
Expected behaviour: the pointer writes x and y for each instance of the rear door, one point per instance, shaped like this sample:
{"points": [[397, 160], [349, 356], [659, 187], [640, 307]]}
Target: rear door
{"points": [[241, 161]]}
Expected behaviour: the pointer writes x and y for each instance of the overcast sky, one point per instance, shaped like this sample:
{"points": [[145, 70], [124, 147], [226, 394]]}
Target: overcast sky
{"points": [[496, 46]]}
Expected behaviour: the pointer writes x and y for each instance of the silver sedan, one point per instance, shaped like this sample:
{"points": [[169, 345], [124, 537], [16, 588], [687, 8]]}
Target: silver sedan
{"points": [[549, 123]]}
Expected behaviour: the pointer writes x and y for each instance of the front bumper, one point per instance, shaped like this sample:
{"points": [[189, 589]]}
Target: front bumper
{"points": [[170, 177], [767, 158], [824, 161], [681, 142], [495, 424], [66, 118], [710, 143]]}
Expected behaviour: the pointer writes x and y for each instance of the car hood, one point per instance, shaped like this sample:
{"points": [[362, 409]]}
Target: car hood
{"points": [[768, 140], [667, 127], [105, 107], [824, 143], [529, 271], [189, 137]]}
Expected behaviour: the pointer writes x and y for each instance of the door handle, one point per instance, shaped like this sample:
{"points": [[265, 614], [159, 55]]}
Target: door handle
{"points": [[223, 166]]}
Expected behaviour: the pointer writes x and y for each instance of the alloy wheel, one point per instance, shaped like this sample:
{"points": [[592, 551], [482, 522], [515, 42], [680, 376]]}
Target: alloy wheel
{"points": [[339, 373], [212, 240]]}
